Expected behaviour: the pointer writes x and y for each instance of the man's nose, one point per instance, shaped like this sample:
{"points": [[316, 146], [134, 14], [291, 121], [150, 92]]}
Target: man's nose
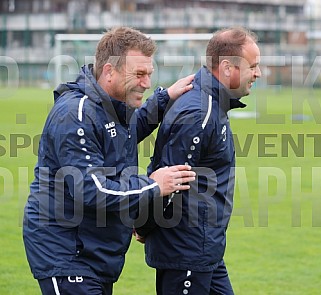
{"points": [[258, 72], [145, 81]]}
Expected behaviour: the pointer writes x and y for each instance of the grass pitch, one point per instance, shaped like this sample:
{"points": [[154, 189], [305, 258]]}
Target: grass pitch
{"points": [[275, 231]]}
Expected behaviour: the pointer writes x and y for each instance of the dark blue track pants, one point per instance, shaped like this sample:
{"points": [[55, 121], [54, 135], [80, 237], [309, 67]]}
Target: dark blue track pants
{"points": [[186, 282], [74, 285]]}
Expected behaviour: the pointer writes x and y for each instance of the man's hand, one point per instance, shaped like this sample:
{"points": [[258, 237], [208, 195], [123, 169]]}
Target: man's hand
{"points": [[181, 86], [171, 179], [138, 237]]}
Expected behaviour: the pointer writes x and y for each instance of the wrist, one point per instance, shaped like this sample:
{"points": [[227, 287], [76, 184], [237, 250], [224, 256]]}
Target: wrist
{"points": [[162, 93]]}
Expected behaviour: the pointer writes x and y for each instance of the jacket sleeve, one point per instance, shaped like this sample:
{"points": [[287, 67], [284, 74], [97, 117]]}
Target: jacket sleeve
{"points": [[78, 147], [151, 113]]}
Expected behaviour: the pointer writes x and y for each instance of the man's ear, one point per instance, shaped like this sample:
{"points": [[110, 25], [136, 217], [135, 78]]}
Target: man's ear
{"points": [[107, 71], [226, 68]]}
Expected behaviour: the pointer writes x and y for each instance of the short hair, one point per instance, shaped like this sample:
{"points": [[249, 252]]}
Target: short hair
{"points": [[115, 44], [228, 42]]}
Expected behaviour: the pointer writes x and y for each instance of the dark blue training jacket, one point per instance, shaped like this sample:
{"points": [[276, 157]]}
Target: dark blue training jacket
{"points": [[79, 214], [195, 131]]}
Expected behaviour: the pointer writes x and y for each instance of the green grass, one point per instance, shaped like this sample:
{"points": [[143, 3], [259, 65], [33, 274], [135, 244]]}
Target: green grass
{"points": [[275, 231]]}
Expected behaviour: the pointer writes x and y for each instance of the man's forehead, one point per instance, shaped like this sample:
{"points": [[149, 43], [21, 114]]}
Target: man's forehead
{"points": [[139, 63], [133, 55], [138, 59], [251, 53]]}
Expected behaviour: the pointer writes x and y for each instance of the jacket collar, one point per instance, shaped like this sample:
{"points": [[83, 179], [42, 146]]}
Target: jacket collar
{"points": [[212, 86]]}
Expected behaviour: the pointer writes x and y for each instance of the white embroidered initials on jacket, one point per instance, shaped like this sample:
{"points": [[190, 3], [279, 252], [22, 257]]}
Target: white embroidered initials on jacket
{"points": [[111, 129]]}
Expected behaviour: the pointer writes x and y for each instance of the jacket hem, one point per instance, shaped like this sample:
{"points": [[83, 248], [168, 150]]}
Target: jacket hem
{"points": [[180, 266]]}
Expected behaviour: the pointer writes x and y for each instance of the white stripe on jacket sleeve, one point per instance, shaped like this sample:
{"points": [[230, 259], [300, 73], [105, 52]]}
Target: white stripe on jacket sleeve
{"points": [[121, 193], [80, 107], [209, 110]]}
